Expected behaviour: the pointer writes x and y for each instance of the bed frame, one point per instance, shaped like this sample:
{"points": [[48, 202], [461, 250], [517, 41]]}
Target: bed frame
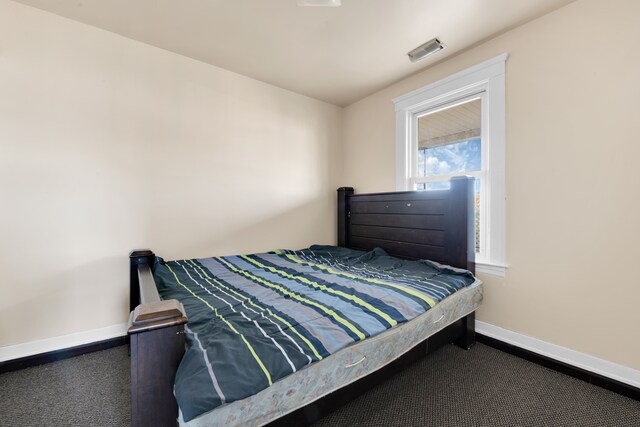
{"points": [[436, 225]]}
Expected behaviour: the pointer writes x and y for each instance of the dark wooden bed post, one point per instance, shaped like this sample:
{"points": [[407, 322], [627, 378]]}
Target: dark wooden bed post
{"points": [[139, 257], [156, 329], [468, 337], [344, 213], [460, 224], [461, 220]]}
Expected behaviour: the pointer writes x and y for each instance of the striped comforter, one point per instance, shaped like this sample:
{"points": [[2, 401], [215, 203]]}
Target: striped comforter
{"points": [[254, 319]]}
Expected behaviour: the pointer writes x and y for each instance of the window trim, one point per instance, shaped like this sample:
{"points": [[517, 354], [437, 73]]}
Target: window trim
{"points": [[487, 77]]}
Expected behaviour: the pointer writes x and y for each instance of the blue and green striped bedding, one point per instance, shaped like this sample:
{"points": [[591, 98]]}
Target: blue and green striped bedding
{"points": [[254, 319]]}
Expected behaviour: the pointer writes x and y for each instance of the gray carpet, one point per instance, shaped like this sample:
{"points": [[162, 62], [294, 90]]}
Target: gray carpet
{"points": [[484, 387], [452, 387], [88, 390]]}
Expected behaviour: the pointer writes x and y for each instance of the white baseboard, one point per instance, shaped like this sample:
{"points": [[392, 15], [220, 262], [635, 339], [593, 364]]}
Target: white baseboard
{"points": [[62, 342], [562, 354], [570, 357]]}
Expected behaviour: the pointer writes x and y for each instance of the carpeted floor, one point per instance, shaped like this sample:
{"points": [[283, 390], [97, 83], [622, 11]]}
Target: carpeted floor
{"points": [[484, 387], [88, 390], [451, 387]]}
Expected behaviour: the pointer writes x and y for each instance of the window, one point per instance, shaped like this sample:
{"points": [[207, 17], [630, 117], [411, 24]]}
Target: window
{"points": [[456, 127], [449, 143]]}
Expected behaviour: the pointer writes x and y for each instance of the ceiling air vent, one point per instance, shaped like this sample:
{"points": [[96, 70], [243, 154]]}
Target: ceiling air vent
{"points": [[322, 3], [426, 49]]}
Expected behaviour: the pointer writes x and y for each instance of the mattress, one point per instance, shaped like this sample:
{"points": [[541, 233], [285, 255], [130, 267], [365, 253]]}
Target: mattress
{"points": [[271, 332]]}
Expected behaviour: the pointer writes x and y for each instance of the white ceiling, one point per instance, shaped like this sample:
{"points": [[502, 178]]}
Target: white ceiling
{"points": [[336, 54]]}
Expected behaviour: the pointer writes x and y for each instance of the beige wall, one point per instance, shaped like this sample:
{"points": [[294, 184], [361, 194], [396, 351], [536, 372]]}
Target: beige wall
{"points": [[573, 181], [107, 145]]}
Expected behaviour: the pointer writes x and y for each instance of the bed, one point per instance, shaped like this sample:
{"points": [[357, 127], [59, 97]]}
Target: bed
{"points": [[320, 305]]}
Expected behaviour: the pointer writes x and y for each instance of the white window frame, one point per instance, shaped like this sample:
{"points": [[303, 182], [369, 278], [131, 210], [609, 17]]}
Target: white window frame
{"points": [[486, 80]]}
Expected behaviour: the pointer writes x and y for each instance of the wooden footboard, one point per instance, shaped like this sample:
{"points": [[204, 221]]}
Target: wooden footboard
{"points": [[156, 329]]}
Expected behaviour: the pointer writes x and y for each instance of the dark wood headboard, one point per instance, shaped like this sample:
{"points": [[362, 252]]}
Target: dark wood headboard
{"points": [[434, 225]]}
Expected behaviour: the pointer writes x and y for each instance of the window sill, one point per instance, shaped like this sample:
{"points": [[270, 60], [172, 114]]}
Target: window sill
{"points": [[491, 269]]}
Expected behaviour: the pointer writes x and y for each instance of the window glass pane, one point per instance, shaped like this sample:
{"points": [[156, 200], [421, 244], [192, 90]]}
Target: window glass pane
{"points": [[449, 140], [453, 158]]}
